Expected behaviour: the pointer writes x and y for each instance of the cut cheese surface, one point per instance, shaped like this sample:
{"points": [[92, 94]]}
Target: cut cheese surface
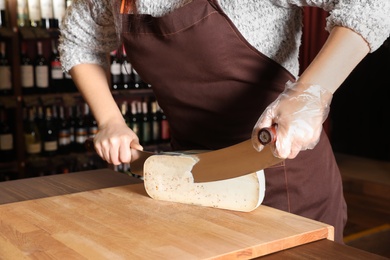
{"points": [[169, 178]]}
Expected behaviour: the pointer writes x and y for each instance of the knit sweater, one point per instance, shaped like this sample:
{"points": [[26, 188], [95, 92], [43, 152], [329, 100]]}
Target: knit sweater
{"points": [[274, 27]]}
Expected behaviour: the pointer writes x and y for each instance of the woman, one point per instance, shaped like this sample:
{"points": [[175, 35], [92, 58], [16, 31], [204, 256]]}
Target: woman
{"points": [[215, 66]]}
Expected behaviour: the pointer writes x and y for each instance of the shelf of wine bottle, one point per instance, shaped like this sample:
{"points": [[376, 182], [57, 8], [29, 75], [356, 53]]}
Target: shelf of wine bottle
{"points": [[40, 71], [123, 74], [7, 48], [45, 115], [7, 137], [55, 128]]}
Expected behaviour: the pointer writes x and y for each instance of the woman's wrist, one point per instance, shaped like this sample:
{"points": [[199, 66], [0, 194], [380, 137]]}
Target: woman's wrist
{"points": [[111, 121], [314, 91]]}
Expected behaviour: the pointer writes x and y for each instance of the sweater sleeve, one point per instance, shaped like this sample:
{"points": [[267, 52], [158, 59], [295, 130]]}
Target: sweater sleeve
{"points": [[369, 18], [87, 33]]}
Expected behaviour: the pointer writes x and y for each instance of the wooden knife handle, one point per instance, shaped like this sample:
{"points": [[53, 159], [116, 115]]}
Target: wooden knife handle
{"points": [[267, 135]]}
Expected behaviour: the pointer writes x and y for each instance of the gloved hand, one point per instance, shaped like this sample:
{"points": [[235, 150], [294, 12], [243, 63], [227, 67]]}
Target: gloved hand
{"points": [[113, 142], [298, 113]]}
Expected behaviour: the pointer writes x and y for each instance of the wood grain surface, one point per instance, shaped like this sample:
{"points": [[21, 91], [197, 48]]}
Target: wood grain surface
{"points": [[124, 223], [61, 184]]}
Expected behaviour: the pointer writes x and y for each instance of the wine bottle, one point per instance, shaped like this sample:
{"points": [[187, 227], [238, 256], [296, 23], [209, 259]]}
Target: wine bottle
{"points": [[72, 124], [80, 131], [50, 136], [26, 71], [135, 120], [146, 124], [55, 116], [115, 69], [32, 135], [34, 13], [40, 118], [126, 71], [92, 126], [3, 19], [46, 13], [56, 73], [59, 9], [7, 150], [64, 133], [156, 123], [165, 133], [22, 10], [137, 81], [41, 70], [5, 72], [125, 112]]}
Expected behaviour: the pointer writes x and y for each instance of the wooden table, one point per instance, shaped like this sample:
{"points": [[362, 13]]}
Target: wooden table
{"points": [[15, 195]]}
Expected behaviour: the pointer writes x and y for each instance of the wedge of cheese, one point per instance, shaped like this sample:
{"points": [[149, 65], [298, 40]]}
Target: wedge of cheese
{"points": [[169, 178]]}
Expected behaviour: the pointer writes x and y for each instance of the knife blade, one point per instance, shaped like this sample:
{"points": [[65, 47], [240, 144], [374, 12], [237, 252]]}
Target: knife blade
{"points": [[230, 162]]}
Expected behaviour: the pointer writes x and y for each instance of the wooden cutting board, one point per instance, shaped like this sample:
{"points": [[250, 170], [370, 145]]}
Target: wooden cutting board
{"points": [[124, 223]]}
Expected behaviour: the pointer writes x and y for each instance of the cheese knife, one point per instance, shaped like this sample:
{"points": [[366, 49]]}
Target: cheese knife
{"points": [[230, 162]]}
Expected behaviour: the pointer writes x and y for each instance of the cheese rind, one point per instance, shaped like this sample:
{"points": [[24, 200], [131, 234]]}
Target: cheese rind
{"points": [[169, 178]]}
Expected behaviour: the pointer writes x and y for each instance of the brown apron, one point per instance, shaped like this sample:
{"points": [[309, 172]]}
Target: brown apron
{"points": [[213, 86]]}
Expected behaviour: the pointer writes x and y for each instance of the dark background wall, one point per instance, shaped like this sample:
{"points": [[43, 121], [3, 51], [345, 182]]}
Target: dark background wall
{"points": [[360, 111]]}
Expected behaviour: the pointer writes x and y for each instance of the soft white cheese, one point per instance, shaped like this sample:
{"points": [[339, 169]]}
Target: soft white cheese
{"points": [[169, 178]]}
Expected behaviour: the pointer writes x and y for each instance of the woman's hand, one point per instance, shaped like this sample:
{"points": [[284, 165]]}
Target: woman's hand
{"points": [[113, 142], [298, 113], [114, 138]]}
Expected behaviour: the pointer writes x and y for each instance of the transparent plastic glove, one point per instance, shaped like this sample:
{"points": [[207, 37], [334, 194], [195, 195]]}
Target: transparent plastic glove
{"points": [[113, 142], [298, 114]]}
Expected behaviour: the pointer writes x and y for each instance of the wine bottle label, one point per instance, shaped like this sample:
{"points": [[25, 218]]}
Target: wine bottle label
{"points": [[27, 76], [34, 11], [126, 68], [5, 76], [56, 70], [64, 141], [42, 78], [50, 146], [22, 12], [80, 139], [92, 131], [33, 148], [6, 142], [81, 135], [136, 128], [59, 9], [46, 9], [115, 69], [64, 137]]}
